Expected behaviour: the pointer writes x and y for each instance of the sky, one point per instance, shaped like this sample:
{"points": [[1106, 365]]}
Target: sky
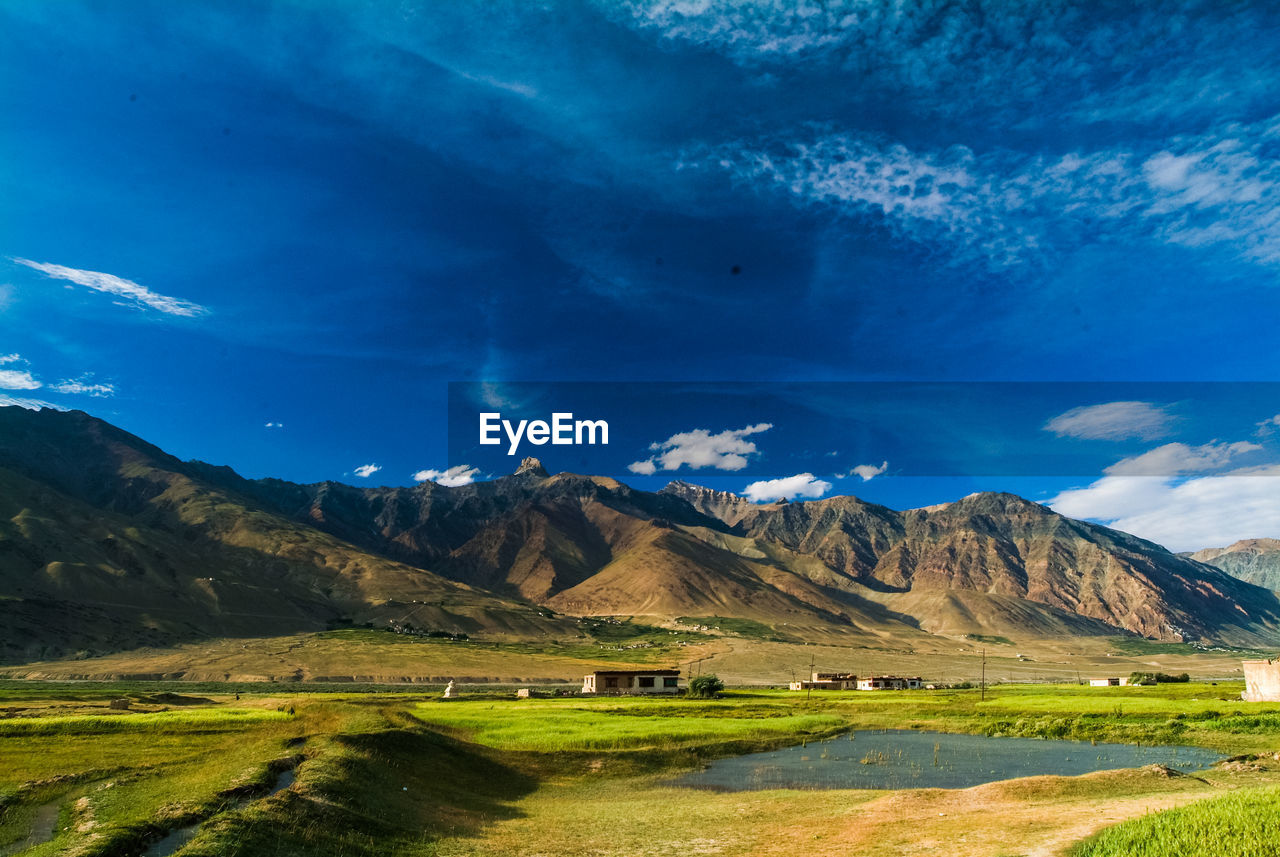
{"points": [[270, 235]]}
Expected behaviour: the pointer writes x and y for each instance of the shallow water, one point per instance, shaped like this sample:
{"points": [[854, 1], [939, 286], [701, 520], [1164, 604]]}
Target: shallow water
{"points": [[910, 759], [43, 828], [178, 837]]}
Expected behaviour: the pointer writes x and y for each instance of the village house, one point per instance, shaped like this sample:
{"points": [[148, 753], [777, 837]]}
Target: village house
{"points": [[1108, 682], [890, 682], [827, 681], [632, 682]]}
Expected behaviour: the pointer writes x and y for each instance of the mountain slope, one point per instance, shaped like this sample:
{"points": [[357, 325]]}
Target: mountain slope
{"points": [[108, 542], [1254, 560]]}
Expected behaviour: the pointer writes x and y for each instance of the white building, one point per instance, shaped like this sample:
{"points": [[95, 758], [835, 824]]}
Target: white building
{"points": [[890, 682]]}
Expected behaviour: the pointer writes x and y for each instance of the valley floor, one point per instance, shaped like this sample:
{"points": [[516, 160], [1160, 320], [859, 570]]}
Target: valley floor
{"points": [[381, 657], [411, 774]]}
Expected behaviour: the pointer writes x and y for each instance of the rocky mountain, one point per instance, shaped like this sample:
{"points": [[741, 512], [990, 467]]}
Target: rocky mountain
{"points": [[1254, 560], [726, 507], [107, 541]]}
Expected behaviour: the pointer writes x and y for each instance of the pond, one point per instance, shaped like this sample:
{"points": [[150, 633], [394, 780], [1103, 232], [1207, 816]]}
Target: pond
{"points": [[912, 759]]}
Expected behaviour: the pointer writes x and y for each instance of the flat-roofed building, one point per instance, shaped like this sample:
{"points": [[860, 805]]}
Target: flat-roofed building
{"points": [[827, 681], [890, 682], [632, 682]]}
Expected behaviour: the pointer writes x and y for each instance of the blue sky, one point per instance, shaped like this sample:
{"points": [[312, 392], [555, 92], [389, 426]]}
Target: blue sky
{"points": [[269, 235]]}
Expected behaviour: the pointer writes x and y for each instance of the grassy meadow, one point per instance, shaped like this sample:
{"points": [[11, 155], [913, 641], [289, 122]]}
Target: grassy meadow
{"points": [[397, 772]]}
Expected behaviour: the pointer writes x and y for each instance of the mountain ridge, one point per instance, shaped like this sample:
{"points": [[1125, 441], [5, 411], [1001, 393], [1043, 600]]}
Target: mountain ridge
{"points": [[504, 556]]}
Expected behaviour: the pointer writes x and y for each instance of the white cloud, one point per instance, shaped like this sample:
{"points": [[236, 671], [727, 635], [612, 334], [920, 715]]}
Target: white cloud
{"points": [[9, 358], [1003, 207], [1269, 426], [727, 450], [1175, 459], [867, 472], [18, 379], [29, 404], [113, 285], [800, 485], [364, 471], [1183, 514], [1112, 421], [459, 474], [84, 387], [274, 425], [644, 468]]}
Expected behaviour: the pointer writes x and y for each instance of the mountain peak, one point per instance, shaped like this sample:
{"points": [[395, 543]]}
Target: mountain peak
{"points": [[531, 467]]}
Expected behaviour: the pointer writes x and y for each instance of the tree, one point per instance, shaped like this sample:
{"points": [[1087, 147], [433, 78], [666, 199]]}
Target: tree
{"points": [[705, 687]]}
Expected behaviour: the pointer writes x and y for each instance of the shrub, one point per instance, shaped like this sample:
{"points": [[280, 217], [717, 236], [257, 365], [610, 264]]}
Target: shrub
{"points": [[705, 687], [1157, 678]]}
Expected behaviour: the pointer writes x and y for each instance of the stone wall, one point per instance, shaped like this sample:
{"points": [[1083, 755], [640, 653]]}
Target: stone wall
{"points": [[1262, 681]]}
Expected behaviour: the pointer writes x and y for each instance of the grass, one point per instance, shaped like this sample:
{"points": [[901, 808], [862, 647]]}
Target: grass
{"points": [[402, 774], [551, 726], [738, 627], [187, 722], [989, 638], [1243, 824]]}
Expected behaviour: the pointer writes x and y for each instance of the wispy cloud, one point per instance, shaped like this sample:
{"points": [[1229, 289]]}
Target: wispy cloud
{"points": [[726, 450], [453, 477], [84, 387], [29, 404], [364, 471], [1175, 459], [274, 425], [139, 296], [1112, 421], [1219, 190], [786, 488]]}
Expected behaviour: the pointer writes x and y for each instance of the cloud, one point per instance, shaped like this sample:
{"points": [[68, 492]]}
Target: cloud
{"points": [[1003, 207], [459, 474], [867, 471], [1269, 426], [18, 379], [644, 468], [800, 485], [84, 387], [29, 404], [274, 425], [1183, 514], [727, 450], [1112, 421], [1175, 459], [113, 285], [364, 471], [9, 358]]}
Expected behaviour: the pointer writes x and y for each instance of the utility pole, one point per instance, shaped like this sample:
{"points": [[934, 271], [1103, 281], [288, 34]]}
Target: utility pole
{"points": [[809, 690], [984, 674]]}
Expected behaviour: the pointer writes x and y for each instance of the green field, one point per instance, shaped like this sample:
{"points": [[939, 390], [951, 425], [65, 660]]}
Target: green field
{"points": [[401, 773]]}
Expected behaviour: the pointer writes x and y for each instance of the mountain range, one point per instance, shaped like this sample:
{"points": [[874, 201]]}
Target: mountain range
{"points": [[1254, 560], [107, 543]]}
